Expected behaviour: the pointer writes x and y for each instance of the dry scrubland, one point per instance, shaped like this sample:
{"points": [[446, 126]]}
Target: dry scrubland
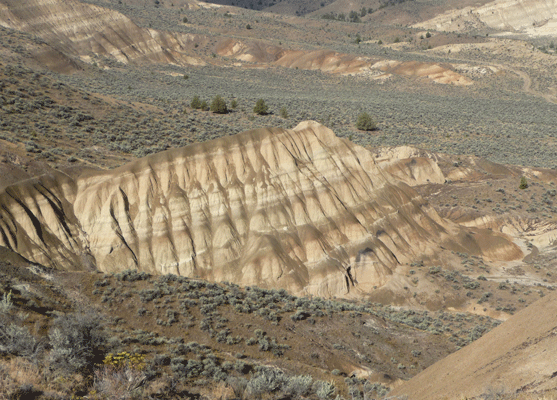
{"points": [[89, 335], [174, 336], [494, 118]]}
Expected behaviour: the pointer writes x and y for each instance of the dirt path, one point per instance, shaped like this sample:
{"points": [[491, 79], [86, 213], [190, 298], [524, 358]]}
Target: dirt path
{"points": [[527, 83]]}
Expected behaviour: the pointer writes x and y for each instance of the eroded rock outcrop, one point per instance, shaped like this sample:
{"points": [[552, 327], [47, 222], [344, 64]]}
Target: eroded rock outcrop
{"points": [[337, 63], [299, 209], [532, 17], [82, 30]]}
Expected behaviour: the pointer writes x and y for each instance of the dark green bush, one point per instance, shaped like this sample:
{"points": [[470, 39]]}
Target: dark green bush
{"points": [[261, 108], [132, 275], [365, 122], [218, 105], [196, 102]]}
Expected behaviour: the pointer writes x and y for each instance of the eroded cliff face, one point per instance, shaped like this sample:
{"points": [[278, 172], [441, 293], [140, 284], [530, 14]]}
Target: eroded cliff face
{"points": [[298, 209], [82, 30], [532, 17], [337, 63]]}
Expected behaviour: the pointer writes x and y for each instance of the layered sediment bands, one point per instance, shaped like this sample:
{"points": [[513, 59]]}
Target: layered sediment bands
{"points": [[37, 220], [323, 60], [337, 63], [532, 17], [299, 209], [82, 30]]}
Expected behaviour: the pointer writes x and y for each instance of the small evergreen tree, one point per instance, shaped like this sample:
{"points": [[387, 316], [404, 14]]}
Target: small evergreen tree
{"points": [[365, 122], [283, 113], [204, 106], [218, 105], [261, 108], [195, 102], [234, 103], [523, 183]]}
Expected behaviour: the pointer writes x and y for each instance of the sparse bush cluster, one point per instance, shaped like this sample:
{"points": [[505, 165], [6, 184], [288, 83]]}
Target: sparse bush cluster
{"points": [[64, 125], [80, 344]]}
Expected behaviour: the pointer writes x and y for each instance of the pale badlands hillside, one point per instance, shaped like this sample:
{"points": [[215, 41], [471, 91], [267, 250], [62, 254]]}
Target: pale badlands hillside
{"points": [[528, 17], [81, 30], [299, 209]]}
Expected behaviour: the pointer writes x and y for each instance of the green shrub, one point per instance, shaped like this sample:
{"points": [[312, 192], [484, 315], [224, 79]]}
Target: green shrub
{"points": [[218, 105], [365, 122], [523, 183], [147, 295], [261, 108], [238, 386], [300, 315], [471, 285], [283, 113], [241, 366], [195, 102], [132, 275]]}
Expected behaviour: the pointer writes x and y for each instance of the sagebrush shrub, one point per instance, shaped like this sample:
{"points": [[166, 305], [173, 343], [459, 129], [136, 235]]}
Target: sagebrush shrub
{"points": [[6, 304], [77, 342], [298, 386], [16, 340], [120, 376], [267, 380]]}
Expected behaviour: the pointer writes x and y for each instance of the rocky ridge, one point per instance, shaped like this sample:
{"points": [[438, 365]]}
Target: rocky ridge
{"points": [[529, 17], [299, 209], [83, 31]]}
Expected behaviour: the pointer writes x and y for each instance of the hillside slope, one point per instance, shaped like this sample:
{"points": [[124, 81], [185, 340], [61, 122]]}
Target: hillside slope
{"points": [[531, 17], [84, 30], [518, 356]]}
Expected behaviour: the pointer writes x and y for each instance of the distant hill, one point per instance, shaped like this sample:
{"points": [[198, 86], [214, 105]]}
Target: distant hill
{"points": [[288, 7], [249, 4]]}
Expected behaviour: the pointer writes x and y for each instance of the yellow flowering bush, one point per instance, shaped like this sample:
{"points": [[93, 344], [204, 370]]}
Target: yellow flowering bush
{"points": [[125, 360]]}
